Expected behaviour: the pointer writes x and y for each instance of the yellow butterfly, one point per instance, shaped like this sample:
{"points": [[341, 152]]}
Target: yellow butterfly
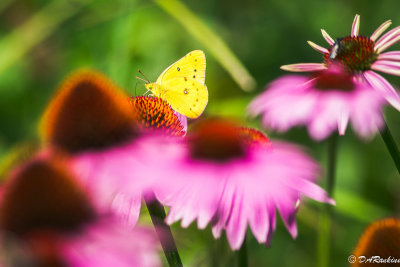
{"points": [[182, 85]]}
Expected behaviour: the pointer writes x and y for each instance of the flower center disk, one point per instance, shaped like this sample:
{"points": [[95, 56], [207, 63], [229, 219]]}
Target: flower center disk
{"points": [[334, 79], [355, 53], [156, 114], [44, 196], [216, 140]]}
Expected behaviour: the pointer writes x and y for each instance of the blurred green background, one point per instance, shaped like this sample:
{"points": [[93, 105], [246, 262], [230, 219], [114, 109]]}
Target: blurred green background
{"points": [[41, 42]]}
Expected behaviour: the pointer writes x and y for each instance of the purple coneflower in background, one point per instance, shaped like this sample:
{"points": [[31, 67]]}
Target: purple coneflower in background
{"points": [[93, 121], [361, 56], [47, 219], [233, 177], [324, 102]]}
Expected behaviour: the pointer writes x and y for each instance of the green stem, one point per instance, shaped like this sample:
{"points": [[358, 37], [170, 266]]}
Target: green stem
{"points": [[325, 232], [242, 255], [391, 146], [157, 214]]}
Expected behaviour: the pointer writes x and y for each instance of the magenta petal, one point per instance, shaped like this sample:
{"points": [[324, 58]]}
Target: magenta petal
{"points": [[236, 226], [107, 245], [387, 40], [259, 220], [390, 67], [343, 121], [311, 190], [380, 30], [288, 213], [287, 102], [356, 26], [272, 223], [332, 111], [127, 208], [392, 55], [327, 37], [381, 85], [318, 48], [304, 67], [183, 121]]}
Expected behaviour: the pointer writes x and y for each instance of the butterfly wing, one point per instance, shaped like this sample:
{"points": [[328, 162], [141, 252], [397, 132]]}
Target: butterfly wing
{"points": [[192, 66], [186, 96]]}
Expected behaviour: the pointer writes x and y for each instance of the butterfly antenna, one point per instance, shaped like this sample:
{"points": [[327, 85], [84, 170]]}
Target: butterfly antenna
{"points": [[148, 81], [142, 79]]}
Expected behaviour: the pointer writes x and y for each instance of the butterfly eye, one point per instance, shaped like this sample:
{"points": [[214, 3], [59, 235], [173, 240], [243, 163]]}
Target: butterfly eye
{"points": [[150, 86]]}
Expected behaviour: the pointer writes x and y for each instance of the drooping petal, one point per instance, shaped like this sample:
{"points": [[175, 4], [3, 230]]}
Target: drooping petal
{"points": [[311, 190], [327, 37], [107, 245], [343, 121], [304, 67], [331, 110], [318, 48], [380, 30], [272, 222], [236, 226], [287, 211], [366, 114], [356, 26], [259, 219], [127, 208], [381, 85]]}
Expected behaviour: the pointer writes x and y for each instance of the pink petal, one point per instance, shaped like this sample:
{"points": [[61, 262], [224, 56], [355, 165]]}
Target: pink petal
{"points": [[390, 67], [381, 85], [286, 85], [288, 214], [332, 109], [304, 67], [387, 40], [272, 223], [343, 121], [183, 120], [236, 227], [258, 219], [310, 189], [327, 37], [366, 114], [380, 30], [225, 208], [318, 48], [283, 110], [109, 245], [393, 55], [356, 26], [127, 208]]}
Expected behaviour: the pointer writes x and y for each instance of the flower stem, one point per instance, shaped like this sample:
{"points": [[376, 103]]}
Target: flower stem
{"points": [[242, 254], [157, 214], [391, 145], [324, 238]]}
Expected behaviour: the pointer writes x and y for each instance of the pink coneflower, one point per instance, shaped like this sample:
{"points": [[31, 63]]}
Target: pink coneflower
{"points": [[47, 219], [92, 120], [361, 56], [325, 103], [234, 177]]}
